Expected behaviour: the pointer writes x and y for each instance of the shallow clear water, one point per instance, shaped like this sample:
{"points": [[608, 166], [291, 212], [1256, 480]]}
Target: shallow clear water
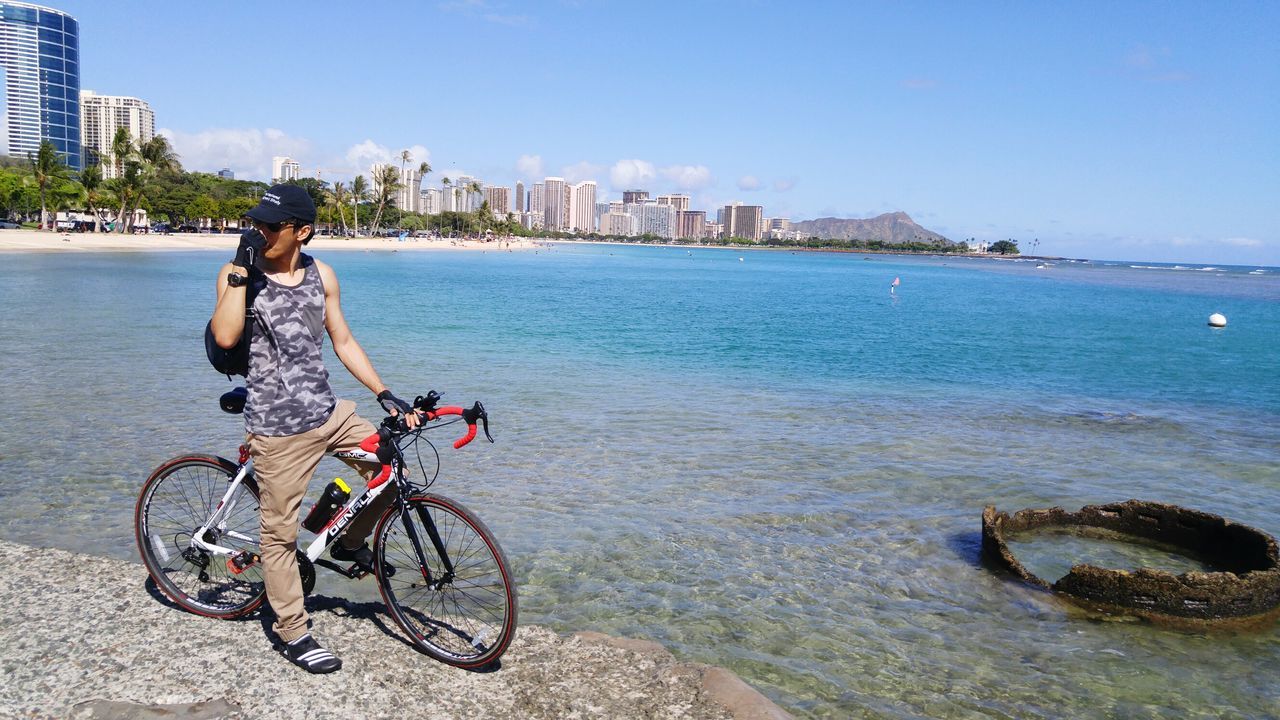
{"points": [[1050, 553], [769, 464]]}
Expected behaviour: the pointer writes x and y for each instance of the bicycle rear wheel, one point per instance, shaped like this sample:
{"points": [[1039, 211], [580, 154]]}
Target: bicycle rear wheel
{"points": [[461, 611], [179, 498]]}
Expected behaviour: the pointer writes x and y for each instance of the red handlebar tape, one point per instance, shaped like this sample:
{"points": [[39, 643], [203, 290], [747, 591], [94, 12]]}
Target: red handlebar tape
{"points": [[455, 410]]}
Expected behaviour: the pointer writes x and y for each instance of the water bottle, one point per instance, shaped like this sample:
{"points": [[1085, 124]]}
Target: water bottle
{"points": [[334, 496]]}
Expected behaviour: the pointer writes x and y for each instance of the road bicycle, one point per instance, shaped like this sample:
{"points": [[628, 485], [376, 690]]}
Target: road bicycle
{"points": [[441, 573]]}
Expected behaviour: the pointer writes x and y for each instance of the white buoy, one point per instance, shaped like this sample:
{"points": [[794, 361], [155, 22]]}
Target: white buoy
{"points": [[1217, 320]]}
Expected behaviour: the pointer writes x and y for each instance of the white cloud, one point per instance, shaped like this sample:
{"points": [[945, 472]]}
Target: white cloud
{"points": [[530, 167], [749, 183], [628, 174], [581, 171], [247, 151], [688, 177], [784, 185], [1242, 242], [359, 159]]}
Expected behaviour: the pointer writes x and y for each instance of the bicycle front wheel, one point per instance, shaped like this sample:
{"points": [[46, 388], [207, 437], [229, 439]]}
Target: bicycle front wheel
{"points": [[451, 591], [179, 498]]}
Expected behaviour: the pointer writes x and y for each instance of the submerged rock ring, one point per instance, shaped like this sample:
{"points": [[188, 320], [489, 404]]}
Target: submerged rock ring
{"points": [[1245, 587]]}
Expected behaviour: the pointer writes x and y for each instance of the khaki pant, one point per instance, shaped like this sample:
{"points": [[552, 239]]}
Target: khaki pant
{"points": [[283, 467]]}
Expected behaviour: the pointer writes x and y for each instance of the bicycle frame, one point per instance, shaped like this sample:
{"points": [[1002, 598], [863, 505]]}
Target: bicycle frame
{"points": [[336, 525], [204, 539]]}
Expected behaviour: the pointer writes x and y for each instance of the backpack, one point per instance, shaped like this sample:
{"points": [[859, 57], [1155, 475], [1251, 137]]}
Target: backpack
{"points": [[236, 360]]}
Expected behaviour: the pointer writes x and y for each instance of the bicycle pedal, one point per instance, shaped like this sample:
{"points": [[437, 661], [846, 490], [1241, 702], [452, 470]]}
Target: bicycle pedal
{"points": [[242, 561]]}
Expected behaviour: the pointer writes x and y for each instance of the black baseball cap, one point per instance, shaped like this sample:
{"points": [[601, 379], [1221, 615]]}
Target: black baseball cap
{"points": [[284, 202]]}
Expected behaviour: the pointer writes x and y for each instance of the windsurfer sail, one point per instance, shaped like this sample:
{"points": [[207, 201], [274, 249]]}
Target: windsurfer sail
{"points": [[893, 285]]}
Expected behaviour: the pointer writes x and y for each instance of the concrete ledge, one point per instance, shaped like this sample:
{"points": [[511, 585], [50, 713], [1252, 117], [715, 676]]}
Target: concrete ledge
{"points": [[90, 638]]}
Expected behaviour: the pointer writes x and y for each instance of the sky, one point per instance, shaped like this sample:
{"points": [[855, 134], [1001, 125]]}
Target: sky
{"points": [[1121, 131]]}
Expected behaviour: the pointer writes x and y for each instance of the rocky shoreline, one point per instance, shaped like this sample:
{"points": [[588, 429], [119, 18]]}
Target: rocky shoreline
{"points": [[90, 637]]}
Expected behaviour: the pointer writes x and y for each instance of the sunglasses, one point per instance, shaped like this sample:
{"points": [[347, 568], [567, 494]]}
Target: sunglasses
{"points": [[274, 227]]}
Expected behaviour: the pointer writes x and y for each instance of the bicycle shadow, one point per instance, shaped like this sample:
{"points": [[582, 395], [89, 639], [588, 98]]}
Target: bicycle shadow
{"points": [[373, 612]]}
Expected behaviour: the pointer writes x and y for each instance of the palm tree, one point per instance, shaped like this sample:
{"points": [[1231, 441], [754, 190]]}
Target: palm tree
{"points": [[121, 149], [91, 179], [423, 169], [387, 184], [130, 187], [340, 200], [405, 157], [159, 154], [359, 193], [46, 168]]}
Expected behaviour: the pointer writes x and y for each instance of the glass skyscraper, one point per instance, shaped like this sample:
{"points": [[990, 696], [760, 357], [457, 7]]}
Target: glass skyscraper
{"points": [[40, 60]]}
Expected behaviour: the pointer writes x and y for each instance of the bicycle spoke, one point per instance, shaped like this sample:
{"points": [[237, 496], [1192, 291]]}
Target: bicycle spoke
{"points": [[175, 504], [466, 618]]}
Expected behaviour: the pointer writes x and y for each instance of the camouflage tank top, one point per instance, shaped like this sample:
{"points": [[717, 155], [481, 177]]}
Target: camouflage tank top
{"points": [[288, 385]]}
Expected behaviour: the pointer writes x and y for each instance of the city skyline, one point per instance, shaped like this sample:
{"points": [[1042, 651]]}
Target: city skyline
{"points": [[1135, 132]]}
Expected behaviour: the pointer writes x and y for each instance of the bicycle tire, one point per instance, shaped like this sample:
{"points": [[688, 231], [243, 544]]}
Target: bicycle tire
{"points": [[177, 499], [467, 622]]}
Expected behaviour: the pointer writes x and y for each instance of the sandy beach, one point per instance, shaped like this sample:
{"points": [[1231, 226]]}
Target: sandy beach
{"points": [[38, 241]]}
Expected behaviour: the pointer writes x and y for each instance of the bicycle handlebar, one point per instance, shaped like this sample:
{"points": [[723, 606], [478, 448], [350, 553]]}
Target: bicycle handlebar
{"points": [[393, 426]]}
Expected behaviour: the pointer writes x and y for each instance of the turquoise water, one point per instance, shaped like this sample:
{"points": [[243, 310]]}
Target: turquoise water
{"points": [[767, 463]]}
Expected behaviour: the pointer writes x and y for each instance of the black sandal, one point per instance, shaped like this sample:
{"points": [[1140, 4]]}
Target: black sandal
{"points": [[307, 654]]}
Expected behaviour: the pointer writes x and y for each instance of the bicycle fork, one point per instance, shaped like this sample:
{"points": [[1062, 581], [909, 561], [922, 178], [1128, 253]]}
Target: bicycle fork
{"points": [[416, 540]]}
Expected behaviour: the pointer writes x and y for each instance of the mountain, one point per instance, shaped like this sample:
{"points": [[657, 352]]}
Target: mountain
{"points": [[894, 228]]}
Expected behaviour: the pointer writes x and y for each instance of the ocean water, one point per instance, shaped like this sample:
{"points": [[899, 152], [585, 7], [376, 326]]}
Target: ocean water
{"points": [[763, 460]]}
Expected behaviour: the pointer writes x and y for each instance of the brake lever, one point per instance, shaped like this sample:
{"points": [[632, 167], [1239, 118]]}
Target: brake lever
{"points": [[477, 412], [484, 419]]}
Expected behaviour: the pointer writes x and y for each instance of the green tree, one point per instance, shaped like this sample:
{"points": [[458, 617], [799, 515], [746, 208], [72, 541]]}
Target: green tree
{"points": [[386, 184], [130, 189], [203, 206], [359, 193], [94, 192], [47, 171], [121, 149], [159, 154], [234, 208], [339, 199], [1004, 247]]}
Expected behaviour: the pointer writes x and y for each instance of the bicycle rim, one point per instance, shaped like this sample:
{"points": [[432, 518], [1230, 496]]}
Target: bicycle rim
{"points": [[466, 620], [179, 498]]}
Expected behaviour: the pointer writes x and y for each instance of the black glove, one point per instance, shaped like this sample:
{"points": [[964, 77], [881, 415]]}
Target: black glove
{"points": [[392, 404], [251, 244]]}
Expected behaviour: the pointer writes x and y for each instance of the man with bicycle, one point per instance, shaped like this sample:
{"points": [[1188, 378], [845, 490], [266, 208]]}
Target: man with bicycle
{"points": [[292, 417]]}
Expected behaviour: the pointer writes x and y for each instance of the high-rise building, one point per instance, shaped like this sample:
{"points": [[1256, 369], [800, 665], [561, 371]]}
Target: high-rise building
{"points": [[101, 115], [691, 223], [634, 196], [499, 199], [556, 207], [538, 200], [406, 195], [431, 201], [582, 207], [226, 173], [617, 223], [40, 57], [743, 221], [450, 197], [410, 192], [520, 201], [679, 202], [284, 169], [650, 218]]}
